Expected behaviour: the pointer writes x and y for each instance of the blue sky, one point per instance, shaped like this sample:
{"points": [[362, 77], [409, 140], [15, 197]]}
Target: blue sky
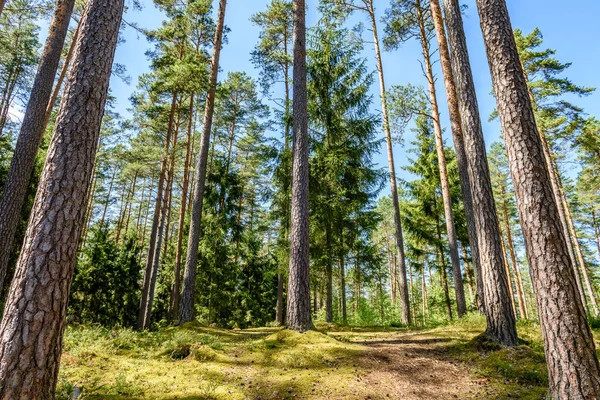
{"points": [[570, 30]]}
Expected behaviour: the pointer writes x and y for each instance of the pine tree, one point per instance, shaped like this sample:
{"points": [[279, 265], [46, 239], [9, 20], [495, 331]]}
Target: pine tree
{"points": [[573, 366], [32, 129], [57, 216]]}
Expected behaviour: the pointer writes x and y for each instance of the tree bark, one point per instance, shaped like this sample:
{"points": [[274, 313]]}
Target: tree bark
{"points": [[461, 304], [30, 137], [501, 322], [298, 289], [404, 297], [34, 317], [573, 368], [189, 277]]}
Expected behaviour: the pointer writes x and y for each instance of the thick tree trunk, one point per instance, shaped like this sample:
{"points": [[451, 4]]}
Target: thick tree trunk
{"points": [[188, 293], [404, 297], [28, 143], [573, 368], [445, 184], [34, 317], [298, 289], [501, 323]]}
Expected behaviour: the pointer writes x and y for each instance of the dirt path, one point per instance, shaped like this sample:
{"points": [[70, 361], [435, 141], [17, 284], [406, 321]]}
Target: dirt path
{"points": [[414, 366]]}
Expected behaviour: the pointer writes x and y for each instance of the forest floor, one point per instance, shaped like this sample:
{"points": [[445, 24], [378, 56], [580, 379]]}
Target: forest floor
{"points": [[195, 362]]}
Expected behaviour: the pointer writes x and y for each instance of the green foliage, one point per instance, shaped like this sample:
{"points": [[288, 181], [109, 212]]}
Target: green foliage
{"points": [[105, 288]]}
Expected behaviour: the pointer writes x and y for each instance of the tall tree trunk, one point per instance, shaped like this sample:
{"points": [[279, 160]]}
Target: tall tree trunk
{"points": [[186, 310], [182, 211], [28, 143], [501, 323], [457, 131], [156, 220], [404, 298], [162, 226], [34, 317], [461, 304], [298, 289], [573, 368]]}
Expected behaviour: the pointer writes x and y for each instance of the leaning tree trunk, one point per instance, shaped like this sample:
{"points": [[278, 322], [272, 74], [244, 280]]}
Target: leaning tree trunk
{"points": [[28, 143], [188, 294], [461, 303], [573, 368], [457, 134], [298, 290], [501, 322], [34, 317], [404, 296]]}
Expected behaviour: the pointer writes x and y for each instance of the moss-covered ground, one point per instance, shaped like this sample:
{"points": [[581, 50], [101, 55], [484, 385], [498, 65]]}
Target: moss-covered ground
{"points": [[336, 362]]}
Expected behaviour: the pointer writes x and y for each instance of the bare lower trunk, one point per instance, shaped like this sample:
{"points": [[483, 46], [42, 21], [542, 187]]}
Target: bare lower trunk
{"points": [[573, 368], [298, 299], [30, 137], [189, 277], [404, 296], [34, 317]]}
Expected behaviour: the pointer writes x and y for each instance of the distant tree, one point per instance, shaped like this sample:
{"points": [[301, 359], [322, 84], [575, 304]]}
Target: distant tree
{"points": [[189, 278], [105, 286]]}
